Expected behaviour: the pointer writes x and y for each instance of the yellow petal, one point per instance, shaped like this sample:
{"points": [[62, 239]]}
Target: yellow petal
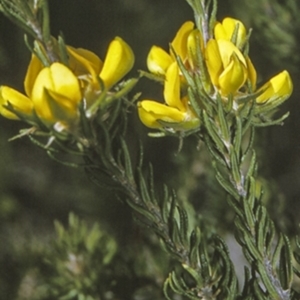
{"points": [[179, 43], [220, 32], [213, 61], [20, 103], [35, 66], [226, 49], [158, 60], [83, 61], [279, 86], [225, 30], [118, 62], [62, 86], [172, 88], [233, 77], [151, 111]]}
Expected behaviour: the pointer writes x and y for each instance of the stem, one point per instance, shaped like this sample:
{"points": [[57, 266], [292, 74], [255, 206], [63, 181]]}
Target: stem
{"points": [[251, 223], [118, 174]]}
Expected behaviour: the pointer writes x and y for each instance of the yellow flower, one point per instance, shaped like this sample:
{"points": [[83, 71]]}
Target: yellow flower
{"points": [[52, 92], [21, 104], [86, 64], [226, 29], [176, 113], [278, 87], [227, 67], [56, 94], [159, 60]]}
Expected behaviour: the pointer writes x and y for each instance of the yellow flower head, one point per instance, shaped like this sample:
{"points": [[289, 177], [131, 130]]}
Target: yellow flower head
{"points": [[87, 66], [56, 95], [175, 113], [227, 66], [55, 92]]}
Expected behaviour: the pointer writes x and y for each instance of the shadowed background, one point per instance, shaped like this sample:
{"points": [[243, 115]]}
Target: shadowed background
{"points": [[35, 190]]}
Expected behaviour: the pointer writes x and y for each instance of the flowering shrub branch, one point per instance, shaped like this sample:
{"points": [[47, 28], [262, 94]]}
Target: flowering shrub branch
{"points": [[80, 104]]}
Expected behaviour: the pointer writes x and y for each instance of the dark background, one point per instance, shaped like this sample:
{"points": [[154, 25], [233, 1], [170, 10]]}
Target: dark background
{"points": [[35, 190]]}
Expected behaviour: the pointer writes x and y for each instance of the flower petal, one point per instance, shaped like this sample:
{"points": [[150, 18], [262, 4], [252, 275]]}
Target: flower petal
{"points": [[226, 29], [213, 61], [226, 49], [279, 86], [150, 112], [118, 62], [158, 60], [83, 61], [20, 103], [179, 43], [172, 88], [35, 66], [59, 84], [233, 77]]}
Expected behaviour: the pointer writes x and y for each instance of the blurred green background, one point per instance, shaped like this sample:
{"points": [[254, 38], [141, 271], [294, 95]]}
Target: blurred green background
{"points": [[35, 190]]}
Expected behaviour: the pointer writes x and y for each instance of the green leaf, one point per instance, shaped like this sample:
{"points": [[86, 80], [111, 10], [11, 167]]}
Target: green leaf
{"points": [[265, 123], [127, 161], [286, 266], [237, 141], [214, 152], [223, 123], [266, 279], [235, 169], [210, 126], [227, 186]]}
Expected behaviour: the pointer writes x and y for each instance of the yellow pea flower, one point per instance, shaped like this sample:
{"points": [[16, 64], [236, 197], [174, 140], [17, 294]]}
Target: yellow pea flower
{"points": [[21, 104], [83, 63], [176, 113], [56, 94], [226, 29], [226, 66], [87, 66], [158, 60], [53, 92], [278, 87]]}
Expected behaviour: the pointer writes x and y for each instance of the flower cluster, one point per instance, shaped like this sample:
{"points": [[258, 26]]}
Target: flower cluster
{"points": [[222, 63], [54, 92]]}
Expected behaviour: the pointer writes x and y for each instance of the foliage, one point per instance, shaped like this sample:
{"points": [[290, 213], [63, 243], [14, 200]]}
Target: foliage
{"points": [[78, 109]]}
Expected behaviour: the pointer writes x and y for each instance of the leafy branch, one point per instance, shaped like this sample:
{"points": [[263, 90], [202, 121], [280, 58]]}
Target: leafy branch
{"points": [[206, 269], [268, 252]]}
